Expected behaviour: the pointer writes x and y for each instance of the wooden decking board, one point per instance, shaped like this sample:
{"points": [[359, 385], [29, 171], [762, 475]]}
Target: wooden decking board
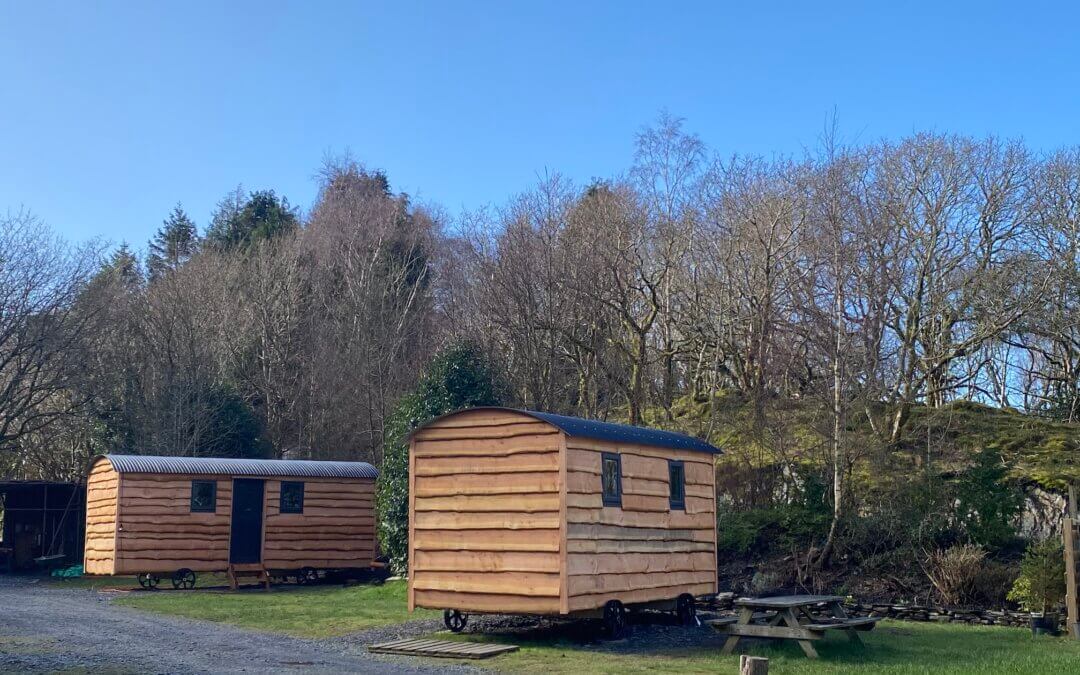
{"points": [[441, 648]]}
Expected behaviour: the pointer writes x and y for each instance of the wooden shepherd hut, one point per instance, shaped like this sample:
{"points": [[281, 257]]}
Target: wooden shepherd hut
{"points": [[522, 512], [177, 516]]}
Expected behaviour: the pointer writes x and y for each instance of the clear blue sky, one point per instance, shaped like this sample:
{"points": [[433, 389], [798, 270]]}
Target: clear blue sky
{"points": [[111, 112]]}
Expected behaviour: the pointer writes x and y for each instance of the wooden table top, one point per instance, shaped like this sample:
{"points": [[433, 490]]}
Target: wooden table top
{"points": [[788, 601]]}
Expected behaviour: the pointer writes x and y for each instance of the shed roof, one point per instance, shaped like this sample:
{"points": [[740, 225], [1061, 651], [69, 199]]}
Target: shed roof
{"points": [[610, 431], [286, 468]]}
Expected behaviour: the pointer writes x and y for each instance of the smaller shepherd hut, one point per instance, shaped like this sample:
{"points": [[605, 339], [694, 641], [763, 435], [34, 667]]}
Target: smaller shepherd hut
{"points": [[154, 516]]}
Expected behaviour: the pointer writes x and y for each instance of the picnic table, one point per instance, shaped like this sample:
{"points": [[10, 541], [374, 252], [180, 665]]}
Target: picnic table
{"points": [[790, 617]]}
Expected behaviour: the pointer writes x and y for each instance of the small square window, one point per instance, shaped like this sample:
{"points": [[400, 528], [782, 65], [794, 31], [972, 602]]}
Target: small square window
{"points": [[203, 496], [677, 485], [292, 497], [611, 478]]}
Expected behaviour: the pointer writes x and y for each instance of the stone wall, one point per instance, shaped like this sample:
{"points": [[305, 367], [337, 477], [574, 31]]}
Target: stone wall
{"points": [[905, 612]]}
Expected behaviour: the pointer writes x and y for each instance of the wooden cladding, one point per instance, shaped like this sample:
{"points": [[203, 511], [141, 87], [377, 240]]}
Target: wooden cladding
{"points": [[484, 514], [508, 515], [145, 523]]}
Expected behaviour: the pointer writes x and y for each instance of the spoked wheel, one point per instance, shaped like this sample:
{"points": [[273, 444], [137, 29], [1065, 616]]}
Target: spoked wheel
{"points": [[307, 576], [686, 610], [455, 620], [183, 578], [148, 580], [614, 620]]}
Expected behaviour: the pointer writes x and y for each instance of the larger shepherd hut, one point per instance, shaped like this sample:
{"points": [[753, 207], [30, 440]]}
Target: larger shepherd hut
{"points": [[522, 512]]}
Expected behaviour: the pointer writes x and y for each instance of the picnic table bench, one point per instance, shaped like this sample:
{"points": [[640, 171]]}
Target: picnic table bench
{"points": [[789, 617]]}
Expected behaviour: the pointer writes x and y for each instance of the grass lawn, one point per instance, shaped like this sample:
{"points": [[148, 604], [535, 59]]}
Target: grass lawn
{"points": [[893, 648], [321, 611]]}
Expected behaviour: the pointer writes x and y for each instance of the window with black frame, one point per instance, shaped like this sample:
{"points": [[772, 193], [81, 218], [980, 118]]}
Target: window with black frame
{"points": [[611, 478], [292, 497], [203, 496], [677, 485]]}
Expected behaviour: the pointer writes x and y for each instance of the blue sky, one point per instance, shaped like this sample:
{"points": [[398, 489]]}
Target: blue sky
{"points": [[111, 112]]}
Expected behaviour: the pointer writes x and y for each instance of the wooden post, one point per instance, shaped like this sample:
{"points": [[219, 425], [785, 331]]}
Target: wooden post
{"points": [[753, 665], [1071, 539]]}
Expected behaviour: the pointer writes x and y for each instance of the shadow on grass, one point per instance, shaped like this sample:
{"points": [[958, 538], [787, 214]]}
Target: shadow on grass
{"points": [[890, 648]]}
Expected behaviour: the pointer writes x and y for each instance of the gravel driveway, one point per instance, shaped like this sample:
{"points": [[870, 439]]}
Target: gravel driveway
{"points": [[45, 628]]}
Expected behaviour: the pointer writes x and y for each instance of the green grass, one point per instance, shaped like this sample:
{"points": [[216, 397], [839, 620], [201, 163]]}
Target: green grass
{"points": [[316, 612], [894, 648]]}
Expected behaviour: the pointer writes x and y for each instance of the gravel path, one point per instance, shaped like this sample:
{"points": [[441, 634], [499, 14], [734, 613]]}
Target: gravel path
{"points": [[44, 628]]}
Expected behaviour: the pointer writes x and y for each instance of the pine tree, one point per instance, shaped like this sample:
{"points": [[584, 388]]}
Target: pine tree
{"points": [[176, 241], [263, 216], [121, 268]]}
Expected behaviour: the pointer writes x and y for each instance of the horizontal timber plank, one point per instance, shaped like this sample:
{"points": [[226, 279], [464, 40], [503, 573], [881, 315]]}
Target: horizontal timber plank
{"points": [[167, 567], [669, 519], [174, 549], [531, 584], [311, 545], [688, 456], [597, 600], [633, 546], [484, 484], [638, 563], [359, 529], [502, 447], [480, 419], [484, 561], [524, 462], [621, 583], [511, 430], [317, 563], [521, 503], [286, 519], [487, 540], [617, 532], [486, 602], [435, 520]]}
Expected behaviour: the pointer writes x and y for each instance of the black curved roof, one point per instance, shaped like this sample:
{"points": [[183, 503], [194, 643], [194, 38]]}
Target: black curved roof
{"points": [[609, 431], [286, 468]]}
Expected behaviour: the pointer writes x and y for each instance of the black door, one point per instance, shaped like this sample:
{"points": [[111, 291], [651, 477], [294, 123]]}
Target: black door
{"points": [[245, 545]]}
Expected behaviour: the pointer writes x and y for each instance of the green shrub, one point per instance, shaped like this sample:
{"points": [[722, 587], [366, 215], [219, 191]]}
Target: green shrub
{"points": [[777, 528], [1041, 584], [458, 378], [987, 501]]}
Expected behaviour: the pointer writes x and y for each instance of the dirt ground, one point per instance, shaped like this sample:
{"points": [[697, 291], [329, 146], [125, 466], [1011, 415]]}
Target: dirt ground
{"points": [[45, 628]]}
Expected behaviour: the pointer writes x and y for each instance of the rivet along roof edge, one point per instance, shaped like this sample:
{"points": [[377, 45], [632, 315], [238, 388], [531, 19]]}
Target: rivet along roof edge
{"points": [[226, 466], [603, 431]]}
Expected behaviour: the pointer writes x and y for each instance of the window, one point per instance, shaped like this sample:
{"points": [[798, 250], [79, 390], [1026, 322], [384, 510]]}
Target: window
{"points": [[203, 496], [676, 485], [292, 497], [611, 478]]}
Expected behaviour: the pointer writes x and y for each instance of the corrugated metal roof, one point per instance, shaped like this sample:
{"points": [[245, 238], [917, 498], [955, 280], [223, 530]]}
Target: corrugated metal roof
{"points": [[609, 431], [222, 466]]}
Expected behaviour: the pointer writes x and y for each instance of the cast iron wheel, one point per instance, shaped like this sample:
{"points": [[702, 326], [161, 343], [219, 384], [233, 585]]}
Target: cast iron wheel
{"points": [[614, 620], [183, 578], [455, 620], [148, 580], [307, 576], [686, 610]]}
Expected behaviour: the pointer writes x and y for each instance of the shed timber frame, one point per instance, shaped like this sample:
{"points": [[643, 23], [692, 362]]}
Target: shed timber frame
{"points": [[507, 514], [141, 516]]}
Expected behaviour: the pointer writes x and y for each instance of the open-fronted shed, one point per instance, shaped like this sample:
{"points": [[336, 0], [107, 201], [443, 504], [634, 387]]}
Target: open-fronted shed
{"points": [[515, 511], [151, 515]]}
